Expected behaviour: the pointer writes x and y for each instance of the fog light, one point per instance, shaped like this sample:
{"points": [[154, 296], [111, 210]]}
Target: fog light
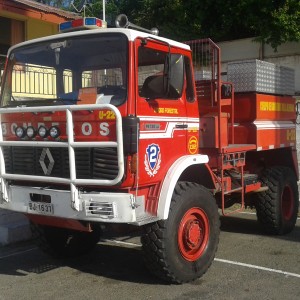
{"points": [[20, 132], [30, 132], [43, 132], [54, 132]]}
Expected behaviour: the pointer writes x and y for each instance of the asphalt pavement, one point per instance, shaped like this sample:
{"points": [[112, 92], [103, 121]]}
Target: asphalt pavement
{"points": [[248, 265]]}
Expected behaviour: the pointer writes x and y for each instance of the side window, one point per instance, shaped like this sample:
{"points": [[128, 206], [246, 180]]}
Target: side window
{"points": [[160, 75], [151, 73]]}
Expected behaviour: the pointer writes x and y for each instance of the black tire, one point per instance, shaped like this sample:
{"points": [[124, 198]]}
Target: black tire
{"points": [[62, 242], [277, 208], [182, 248]]}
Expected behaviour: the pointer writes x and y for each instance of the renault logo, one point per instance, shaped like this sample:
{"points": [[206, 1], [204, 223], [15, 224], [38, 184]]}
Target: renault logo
{"points": [[46, 158]]}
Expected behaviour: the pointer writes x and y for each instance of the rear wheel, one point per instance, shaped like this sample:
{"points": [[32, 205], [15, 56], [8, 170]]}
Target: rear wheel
{"points": [[62, 242], [181, 248], [277, 207]]}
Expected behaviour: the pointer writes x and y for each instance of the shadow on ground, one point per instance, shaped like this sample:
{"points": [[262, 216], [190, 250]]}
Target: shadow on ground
{"points": [[245, 225]]}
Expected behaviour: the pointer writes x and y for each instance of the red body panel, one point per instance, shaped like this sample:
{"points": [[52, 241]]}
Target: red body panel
{"points": [[268, 121], [252, 106]]}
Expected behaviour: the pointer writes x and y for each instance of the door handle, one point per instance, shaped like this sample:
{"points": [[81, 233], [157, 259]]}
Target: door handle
{"points": [[181, 126]]}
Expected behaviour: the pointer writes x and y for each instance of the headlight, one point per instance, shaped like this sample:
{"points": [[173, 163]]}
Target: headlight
{"points": [[54, 132], [43, 132], [20, 132], [30, 132]]}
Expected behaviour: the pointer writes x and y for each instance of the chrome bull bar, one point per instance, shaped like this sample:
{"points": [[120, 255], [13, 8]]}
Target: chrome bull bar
{"points": [[70, 144]]}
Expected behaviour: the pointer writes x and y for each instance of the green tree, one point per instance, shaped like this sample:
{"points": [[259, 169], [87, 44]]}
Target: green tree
{"points": [[283, 25], [54, 3], [271, 21]]}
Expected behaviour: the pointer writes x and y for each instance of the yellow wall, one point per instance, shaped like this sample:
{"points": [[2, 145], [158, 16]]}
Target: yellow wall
{"points": [[33, 28], [36, 28]]}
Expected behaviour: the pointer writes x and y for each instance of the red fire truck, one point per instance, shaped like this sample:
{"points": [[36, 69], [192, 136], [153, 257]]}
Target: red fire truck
{"points": [[119, 126]]}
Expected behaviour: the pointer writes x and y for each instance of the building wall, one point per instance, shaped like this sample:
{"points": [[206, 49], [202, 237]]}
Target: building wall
{"points": [[37, 28], [34, 28]]}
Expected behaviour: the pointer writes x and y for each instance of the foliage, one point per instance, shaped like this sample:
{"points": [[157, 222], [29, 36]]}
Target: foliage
{"points": [[55, 3], [284, 24], [272, 21]]}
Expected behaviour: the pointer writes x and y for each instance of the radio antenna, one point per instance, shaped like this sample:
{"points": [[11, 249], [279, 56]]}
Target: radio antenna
{"points": [[84, 4]]}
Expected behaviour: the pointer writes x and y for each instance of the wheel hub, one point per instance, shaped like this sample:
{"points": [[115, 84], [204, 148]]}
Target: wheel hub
{"points": [[193, 234]]}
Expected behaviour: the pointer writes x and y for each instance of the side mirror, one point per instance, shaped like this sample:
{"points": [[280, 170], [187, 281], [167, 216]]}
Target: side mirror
{"points": [[154, 87]]}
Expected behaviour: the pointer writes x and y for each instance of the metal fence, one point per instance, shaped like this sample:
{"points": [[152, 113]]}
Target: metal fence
{"points": [[29, 80]]}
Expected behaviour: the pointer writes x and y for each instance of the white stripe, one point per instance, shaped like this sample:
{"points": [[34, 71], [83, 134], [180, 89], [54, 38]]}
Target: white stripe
{"points": [[167, 133], [121, 242], [259, 148], [282, 145], [17, 253], [271, 147], [168, 119], [191, 124], [224, 261], [257, 267], [265, 125]]}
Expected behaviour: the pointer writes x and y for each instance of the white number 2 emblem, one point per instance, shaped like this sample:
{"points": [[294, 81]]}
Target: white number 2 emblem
{"points": [[152, 159]]}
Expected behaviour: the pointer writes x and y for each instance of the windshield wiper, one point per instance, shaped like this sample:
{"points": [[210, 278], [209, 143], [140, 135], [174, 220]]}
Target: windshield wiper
{"points": [[41, 102]]}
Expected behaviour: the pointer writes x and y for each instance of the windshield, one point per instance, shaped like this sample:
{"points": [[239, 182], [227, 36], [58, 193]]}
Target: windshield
{"points": [[86, 69]]}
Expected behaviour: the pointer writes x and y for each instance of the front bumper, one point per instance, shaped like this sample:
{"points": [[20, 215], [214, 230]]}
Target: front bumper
{"points": [[95, 206]]}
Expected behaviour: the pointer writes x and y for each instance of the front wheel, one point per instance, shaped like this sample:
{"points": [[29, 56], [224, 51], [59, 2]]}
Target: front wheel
{"points": [[182, 248], [277, 207]]}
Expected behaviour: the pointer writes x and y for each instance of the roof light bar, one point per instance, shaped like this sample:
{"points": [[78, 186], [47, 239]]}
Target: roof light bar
{"points": [[81, 24]]}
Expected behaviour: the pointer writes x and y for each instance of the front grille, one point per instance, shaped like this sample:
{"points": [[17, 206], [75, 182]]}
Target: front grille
{"points": [[91, 163]]}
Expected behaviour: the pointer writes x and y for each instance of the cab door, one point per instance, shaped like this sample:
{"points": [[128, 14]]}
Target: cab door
{"points": [[161, 108]]}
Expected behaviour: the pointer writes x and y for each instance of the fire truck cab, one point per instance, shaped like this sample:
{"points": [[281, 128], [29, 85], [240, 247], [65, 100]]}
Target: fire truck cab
{"points": [[112, 126]]}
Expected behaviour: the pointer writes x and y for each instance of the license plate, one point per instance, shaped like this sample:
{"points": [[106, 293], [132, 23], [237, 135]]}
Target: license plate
{"points": [[41, 208]]}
